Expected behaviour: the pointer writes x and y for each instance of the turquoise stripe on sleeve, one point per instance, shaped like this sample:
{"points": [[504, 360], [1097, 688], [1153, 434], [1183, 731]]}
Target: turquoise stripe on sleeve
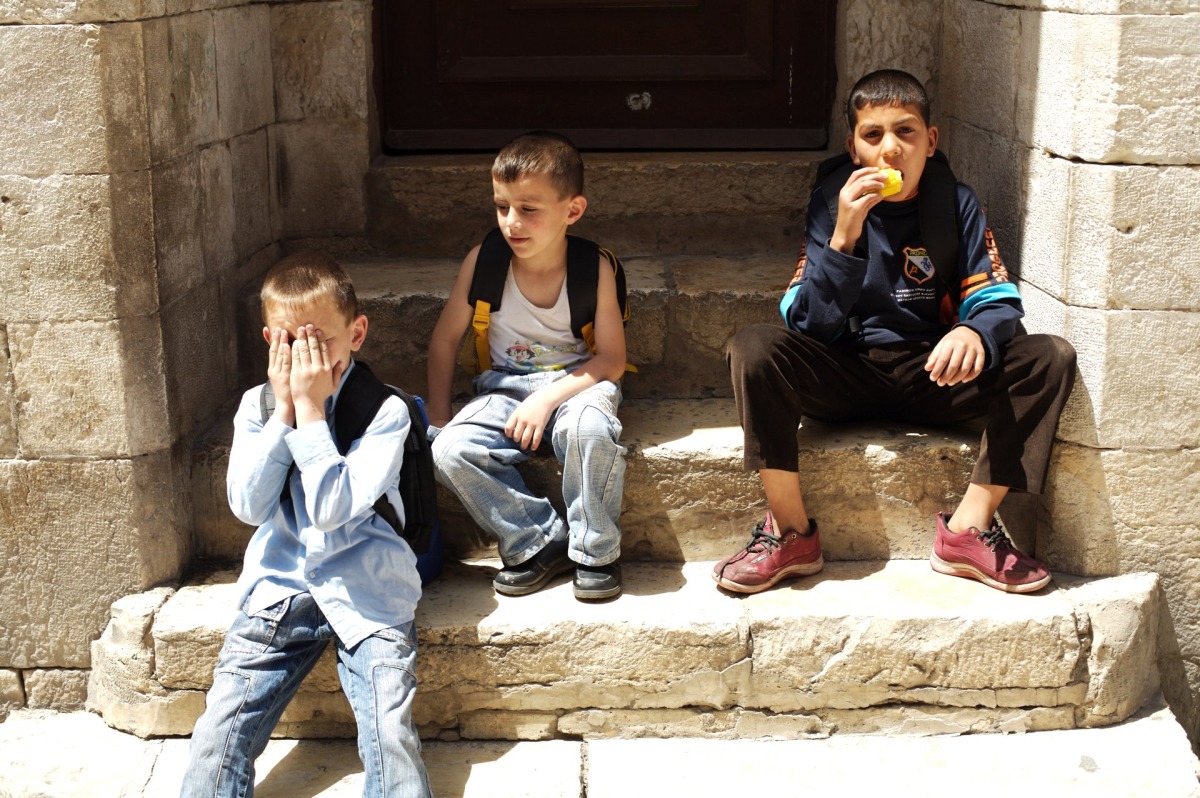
{"points": [[788, 298], [991, 293]]}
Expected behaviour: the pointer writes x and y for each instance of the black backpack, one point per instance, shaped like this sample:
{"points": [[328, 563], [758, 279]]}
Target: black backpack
{"points": [[938, 211], [361, 397], [487, 289]]}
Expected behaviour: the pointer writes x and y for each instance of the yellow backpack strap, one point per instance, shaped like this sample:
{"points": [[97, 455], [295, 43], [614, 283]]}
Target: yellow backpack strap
{"points": [[484, 295]]}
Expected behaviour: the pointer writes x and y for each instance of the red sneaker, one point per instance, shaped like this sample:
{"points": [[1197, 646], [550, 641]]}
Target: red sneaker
{"points": [[768, 558], [987, 556]]}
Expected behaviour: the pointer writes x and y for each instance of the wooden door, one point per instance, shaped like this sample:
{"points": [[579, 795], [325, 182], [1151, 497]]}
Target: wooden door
{"points": [[644, 74]]}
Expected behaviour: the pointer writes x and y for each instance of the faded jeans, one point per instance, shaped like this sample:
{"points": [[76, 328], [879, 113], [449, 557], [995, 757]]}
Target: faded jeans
{"points": [[478, 463], [265, 658]]}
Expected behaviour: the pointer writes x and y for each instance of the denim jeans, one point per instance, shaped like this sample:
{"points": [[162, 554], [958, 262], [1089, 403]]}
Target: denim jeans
{"points": [[265, 658], [478, 463]]}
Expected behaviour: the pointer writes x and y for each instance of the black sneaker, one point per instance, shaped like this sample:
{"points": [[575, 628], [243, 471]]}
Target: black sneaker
{"points": [[593, 582], [533, 574]]}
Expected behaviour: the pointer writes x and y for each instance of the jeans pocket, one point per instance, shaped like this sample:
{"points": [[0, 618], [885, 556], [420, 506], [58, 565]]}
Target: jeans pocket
{"points": [[254, 632]]}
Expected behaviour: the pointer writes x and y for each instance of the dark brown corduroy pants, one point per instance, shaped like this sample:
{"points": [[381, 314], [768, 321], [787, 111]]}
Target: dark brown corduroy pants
{"points": [[780, 375]]}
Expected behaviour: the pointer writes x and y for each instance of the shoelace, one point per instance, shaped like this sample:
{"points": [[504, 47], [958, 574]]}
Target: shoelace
{"points": [[762, 539], [995, 539]]}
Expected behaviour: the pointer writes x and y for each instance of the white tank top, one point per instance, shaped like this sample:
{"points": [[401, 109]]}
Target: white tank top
{"points": [[523, 337]]}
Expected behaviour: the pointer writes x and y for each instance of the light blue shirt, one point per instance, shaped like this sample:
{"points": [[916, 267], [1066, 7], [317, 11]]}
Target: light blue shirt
{"points": [[327, 541]]}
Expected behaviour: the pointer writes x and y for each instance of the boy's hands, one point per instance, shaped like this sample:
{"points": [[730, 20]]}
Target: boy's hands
{"points": [[313, 377], [855, 200], [958, 357], [529, 420], [279, 371]]}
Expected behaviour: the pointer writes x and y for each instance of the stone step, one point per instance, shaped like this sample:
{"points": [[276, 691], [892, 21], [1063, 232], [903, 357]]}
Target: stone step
{"points": [[868, 647], [1081, 763], [873, 488], [638, 203], [682, 311]]}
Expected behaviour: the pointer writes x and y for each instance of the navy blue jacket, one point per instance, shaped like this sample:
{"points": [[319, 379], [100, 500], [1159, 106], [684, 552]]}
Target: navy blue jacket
{"points": [[887, 291]]}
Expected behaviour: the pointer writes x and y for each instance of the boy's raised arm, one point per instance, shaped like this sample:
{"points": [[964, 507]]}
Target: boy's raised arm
{"points": [[444, 342]]}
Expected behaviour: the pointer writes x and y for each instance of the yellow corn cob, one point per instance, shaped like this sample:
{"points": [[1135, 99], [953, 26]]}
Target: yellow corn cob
{"points": [[894, 181]]}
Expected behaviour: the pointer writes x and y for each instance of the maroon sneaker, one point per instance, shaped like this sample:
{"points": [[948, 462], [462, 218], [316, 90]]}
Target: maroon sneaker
{"points": [[768, 558], [987, 556]]}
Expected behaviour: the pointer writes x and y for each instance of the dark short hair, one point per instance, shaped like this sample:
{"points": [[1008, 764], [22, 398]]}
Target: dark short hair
{"points": [[886, 87], [303, 278], [541, 152]]}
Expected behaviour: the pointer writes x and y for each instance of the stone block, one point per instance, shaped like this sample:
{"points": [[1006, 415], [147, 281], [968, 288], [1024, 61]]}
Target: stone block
{"points": [[181, 84], [74, 99], [195, 342], [76, 247], [1124, 90], [318, 169], [12, 692], [982, 50], [61, 689], [8, 427], [1110, 6], [178, 230], [218, 218], [188, 632], [57, 12], [101, 380], [321, 58], [848, 654], [252, 221], [1134, 389], [488, 725], [1122, 617], [245, 96], [77, 535]]}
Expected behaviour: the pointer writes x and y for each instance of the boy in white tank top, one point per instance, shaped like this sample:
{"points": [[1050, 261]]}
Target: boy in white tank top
{"points": [[543, 382]]}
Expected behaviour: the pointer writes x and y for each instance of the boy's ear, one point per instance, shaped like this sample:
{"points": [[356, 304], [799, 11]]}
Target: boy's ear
{"points": [[933, 140], [267, 335], [358, 332], [576, 208], [850, 149]]}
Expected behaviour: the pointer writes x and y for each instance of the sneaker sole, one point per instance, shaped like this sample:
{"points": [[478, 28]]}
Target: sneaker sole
{"points": [[596, 595], [525, 590], [791, 572], [971, 572]]}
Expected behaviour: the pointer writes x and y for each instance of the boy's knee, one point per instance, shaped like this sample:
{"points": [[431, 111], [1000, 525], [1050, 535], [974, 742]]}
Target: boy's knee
{"points": [[751, 343], [586, 423]]}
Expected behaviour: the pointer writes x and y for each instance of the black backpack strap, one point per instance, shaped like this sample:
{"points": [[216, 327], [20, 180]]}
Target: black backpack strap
{"points": [[487, 289], [583, 280], [938, 211]]}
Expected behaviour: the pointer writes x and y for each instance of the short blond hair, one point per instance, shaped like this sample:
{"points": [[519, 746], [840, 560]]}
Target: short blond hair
{"points": [[304, 278]]}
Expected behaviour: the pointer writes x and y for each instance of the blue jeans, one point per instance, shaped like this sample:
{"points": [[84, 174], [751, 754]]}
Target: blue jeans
{"points": [[478, 462], [265, 658]]}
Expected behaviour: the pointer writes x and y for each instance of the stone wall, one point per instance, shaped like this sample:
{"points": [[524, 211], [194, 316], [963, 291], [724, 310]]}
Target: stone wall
{"points": [[1069, 119], [155, 153]]}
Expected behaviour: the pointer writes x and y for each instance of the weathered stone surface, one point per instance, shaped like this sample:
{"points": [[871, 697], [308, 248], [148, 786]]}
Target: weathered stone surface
{"points": [[321, 57], [61, 689], [848, 652], [491, 725], [181, 84], [318, 169], [54, 12], [864, 647], [102, 226], [101, 380], [983, 43], [66, 566], [12, 692], [217, 222], [647, 204], [251, 194], [1123, 92], [245, 92], [1123, 657], [1133, 389], [198, 378], [74, 98], [8, 427], [178, 231]]}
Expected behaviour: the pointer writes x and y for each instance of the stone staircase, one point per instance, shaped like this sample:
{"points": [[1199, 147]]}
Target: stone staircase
{"points": [[876, 645]]}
